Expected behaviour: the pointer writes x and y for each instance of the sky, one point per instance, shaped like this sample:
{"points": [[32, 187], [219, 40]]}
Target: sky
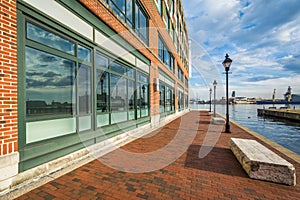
{"points": [[262, 37]]}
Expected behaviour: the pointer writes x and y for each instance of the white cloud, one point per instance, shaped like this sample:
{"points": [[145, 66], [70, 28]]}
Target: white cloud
{"points": [[261, 37]]}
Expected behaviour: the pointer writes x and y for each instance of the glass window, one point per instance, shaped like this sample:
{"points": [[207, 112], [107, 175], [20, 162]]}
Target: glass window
{"points": [[49, 39], [130, 72], [102, 91], [166, 57], [161, 97], [141, 23], [160, 49], [118, 92], [101, 61], [84, 89], [84, 53], [159, 6], [142, 78], [49, 84], [118, 9], [118, 68], [129, 12], [131, 99]]}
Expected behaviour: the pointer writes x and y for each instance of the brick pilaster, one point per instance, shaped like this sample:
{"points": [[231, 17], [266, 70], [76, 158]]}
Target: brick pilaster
{"points": [[8, 77]]}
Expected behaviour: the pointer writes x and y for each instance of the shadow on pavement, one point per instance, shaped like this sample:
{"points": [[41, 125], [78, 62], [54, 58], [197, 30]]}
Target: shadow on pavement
{"points": [[219, 160]]}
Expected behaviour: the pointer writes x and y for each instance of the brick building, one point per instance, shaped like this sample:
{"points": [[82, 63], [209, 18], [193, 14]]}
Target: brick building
{"points": [[78, 73]]}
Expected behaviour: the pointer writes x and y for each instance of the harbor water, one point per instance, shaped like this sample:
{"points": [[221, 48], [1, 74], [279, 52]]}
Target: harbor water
{"points": [[284, 132]]}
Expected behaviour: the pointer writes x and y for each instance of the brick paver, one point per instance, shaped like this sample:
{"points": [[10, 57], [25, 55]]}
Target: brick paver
{"points": [[216, 176]]}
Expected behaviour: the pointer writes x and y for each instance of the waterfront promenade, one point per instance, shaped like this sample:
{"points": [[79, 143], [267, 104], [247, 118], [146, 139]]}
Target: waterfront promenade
{"points": [[216, 176]]}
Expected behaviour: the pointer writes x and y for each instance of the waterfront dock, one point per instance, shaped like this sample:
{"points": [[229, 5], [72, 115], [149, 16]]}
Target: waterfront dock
{"points": [[218, 175], [282, 113]]}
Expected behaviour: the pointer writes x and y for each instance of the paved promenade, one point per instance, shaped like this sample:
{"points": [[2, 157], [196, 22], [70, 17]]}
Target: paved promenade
{"points": [[218, 175]]}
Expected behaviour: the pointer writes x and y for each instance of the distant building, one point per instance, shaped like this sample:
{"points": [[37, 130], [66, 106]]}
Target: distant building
{"points": [[85, 67]]}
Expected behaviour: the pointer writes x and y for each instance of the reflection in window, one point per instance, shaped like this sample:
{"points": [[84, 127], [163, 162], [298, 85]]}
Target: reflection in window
{"points": [[131, 100], [161, 98], [142, 92], [118, 68], [84, 53], [48, 38], [101, 61], [84, 89], [118, 93], [49, 84], [164, 54], [141, 23], [166, 101], [180, 100], [131, 11], [102, 91]]}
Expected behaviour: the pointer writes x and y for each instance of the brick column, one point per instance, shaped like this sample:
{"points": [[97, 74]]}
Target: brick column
{"points": [[9, 156]]}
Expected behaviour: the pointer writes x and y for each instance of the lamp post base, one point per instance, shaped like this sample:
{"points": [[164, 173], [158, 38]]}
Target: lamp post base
{"points": [[227, 128]]}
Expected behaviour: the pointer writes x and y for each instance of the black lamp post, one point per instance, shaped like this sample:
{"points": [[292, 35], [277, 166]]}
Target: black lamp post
{"points": [[226, 63], [215, 86], [210, 90]]}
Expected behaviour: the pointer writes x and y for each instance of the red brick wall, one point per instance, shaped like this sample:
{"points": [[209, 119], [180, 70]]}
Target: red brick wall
{"points": [[8, 77]]}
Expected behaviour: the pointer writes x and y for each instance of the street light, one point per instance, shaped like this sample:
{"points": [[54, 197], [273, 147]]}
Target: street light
{"points": [[215, 85], [226, 63], [210, 90]]}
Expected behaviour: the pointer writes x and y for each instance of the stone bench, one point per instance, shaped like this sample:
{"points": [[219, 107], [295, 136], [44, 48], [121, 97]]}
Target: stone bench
{"points": [[218, 120], [261, 163]]}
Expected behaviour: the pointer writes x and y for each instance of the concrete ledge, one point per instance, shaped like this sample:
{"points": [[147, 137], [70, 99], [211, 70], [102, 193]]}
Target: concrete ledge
{"points": [[218, 120], [8, 168], [261, 163]]}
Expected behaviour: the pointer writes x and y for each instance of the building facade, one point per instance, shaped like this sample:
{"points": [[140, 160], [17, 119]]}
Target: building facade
{"points": [[78, 73]]}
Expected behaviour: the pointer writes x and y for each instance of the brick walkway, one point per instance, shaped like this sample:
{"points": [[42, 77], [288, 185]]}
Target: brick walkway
{"points": [[216, 176]]}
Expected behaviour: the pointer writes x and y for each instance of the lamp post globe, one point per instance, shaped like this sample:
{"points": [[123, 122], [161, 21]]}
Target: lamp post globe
{"points": [[226, 63]]}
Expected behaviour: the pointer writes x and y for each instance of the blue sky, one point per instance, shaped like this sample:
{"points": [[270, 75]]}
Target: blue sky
{"points": [[261, 37]]}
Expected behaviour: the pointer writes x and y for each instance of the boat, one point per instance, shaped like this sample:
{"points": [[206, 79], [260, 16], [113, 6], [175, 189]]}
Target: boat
{"points": [[289, 98]]}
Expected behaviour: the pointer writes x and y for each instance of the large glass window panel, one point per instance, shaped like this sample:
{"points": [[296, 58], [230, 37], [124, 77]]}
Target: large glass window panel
{"points": [[144, 100], [143, 25], [160, 49], [101, 61], [167, 57], [131, 99], [161, 98], [129, 12], [138, 100], [117, 9], [120, 4], [118, 93], [142, 78], [130, 72], [84, 53], [49, 85], [45, 37], [102, 91], [168, 99], [118, 68], [84, 89]]}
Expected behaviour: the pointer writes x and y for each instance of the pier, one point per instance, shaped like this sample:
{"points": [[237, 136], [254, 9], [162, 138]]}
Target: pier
{"points": [[282, 113]]}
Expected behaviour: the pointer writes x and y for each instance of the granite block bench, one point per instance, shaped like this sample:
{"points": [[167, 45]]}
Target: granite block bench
{"points": [[261, 163]]}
